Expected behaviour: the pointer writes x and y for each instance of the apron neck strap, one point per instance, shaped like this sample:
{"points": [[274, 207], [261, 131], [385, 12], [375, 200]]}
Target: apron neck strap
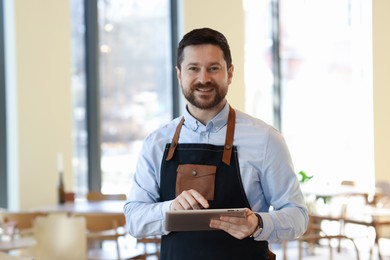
{"points": [[228, 147], [175, 140], [227, 150]]}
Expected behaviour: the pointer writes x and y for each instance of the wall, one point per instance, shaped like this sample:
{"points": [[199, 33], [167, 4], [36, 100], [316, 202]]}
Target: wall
{"points": [[228, 18], [41, 124], [381, 78]]}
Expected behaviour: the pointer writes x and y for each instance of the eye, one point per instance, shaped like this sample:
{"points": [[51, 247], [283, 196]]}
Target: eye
{"points": [[193, 69], [214, 69]]}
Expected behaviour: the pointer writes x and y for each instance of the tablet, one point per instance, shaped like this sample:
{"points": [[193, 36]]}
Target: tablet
{"points": [[197, 220]]}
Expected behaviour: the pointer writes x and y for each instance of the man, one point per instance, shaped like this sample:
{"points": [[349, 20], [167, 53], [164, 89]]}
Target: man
{"points": [[252, 166]]}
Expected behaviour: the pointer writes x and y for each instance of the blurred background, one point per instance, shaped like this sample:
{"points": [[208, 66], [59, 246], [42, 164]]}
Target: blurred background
{"points": [[86, 81]]}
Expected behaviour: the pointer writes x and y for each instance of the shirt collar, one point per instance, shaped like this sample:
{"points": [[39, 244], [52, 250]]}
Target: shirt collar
{"points": [[214, 125]]}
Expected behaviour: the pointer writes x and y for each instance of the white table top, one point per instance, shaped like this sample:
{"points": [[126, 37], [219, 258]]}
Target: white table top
{"points": [[5, 256], [84, 206], [332, 190]]}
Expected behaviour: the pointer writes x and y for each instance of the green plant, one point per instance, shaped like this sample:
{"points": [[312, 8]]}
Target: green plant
{"points": [[303, 177]]}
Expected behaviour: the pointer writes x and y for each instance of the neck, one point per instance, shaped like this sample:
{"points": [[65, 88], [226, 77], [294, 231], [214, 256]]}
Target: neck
{"points": [[205, 115]]}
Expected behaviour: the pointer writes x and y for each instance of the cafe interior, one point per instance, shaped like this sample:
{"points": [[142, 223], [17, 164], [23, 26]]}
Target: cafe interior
{"points": [[82, 83]]}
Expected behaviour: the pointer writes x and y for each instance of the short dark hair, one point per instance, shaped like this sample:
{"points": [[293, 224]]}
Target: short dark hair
{"points": [[204, 36]]}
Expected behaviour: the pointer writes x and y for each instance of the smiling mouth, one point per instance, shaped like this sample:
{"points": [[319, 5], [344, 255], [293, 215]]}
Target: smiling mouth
{"points": [[205, 90]]}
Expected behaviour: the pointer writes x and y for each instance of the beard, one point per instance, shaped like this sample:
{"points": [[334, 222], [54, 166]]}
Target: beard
{"points": [[202, 103]]}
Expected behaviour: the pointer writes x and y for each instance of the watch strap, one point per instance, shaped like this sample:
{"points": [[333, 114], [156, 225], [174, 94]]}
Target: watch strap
{"points": [[259, 227]]}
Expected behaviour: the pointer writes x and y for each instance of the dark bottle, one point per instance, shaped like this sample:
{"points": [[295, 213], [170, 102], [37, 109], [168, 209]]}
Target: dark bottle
{"points": [[61, 189]]}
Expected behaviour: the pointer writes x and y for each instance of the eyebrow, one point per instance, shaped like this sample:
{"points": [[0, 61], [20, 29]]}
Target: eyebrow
{"points": [[197, 64]]}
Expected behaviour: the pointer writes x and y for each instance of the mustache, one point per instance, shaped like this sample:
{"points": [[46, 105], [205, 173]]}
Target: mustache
{"points": [[207, 85]]}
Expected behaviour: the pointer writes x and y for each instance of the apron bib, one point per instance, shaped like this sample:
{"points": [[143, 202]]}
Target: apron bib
{"points": [[216, 165]]}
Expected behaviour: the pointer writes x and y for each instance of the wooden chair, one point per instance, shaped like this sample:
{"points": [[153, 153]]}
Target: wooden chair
{"points": [[60, 238], [378, 221], [353, 214], [98, 196], [22, 222], [103, 227], [315, 233], [329, 208], [338, 207]]}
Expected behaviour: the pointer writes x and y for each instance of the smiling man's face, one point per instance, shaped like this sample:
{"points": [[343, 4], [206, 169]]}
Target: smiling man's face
{"points": [[204, 77]]}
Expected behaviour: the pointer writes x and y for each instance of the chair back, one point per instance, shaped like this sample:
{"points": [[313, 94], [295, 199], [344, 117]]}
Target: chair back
{"points": [[22, 221], [383, 187], [102, 227], [98, 196], [97, 222], [60, 238]]}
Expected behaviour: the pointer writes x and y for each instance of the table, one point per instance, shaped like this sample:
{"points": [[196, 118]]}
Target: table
{"points": [[5, 256], [84, 206], [333, 190], [17, 243]]}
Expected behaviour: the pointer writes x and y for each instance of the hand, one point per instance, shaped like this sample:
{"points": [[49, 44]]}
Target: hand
{"points": [[189, 199], [238, 227]]}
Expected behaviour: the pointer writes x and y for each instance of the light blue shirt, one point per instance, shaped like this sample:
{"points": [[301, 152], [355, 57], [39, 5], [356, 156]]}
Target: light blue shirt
{"points": [[266, 170]]}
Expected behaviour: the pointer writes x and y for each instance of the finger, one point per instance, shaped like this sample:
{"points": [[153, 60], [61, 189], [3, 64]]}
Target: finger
{"points": [[199, 198], [223, 225], [236, 226], [228, 227], [179, 204], [189, 199]]}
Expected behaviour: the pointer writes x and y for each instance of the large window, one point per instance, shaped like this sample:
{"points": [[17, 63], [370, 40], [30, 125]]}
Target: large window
{"points": [[134, 72], [135, 82], [326, 89]]}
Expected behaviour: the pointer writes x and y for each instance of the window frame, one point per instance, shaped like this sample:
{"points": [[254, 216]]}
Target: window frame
{"points": [[3, 117], [92, 95], [276, 65]]}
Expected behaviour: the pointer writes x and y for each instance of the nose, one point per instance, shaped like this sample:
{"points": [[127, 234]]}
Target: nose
{"points": [[204, 76]]}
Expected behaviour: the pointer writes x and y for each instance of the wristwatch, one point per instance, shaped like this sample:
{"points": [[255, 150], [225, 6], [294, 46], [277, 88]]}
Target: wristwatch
{"points": [[259, 227]]}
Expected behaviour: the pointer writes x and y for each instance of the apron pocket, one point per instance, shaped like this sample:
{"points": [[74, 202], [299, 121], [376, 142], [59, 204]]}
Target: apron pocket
{"points": [[198, 177]]}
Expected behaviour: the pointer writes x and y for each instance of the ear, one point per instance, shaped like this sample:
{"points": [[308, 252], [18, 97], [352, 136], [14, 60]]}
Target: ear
{"points": [[230, 74], [178, 74]]}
